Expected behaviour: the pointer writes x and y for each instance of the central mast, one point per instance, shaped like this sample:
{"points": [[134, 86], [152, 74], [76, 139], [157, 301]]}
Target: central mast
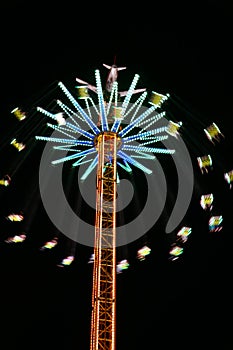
{"points": [[104, 274]]}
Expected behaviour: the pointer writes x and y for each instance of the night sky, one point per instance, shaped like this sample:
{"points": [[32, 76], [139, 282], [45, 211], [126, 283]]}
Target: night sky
{"points": [[181, 50]]}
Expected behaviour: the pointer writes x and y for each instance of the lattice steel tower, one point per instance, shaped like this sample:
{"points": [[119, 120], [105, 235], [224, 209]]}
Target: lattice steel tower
{"points": [[104, 273]]}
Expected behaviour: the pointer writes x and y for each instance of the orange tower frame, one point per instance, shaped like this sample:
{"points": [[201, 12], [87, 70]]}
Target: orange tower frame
{"points": [[103, 324]]}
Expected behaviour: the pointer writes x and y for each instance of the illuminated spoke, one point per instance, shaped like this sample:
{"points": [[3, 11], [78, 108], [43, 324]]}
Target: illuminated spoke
{"points": [[129, 93], [154, 139], [58, 128], [69, 112], [55, 139], [137, 121], [74, 156], [92, 125], [142, 155], [103, 116], [88, 107], [114, 89], [125, 166], [148, 149], [151, 121], [143, 136], [81, 161], [134, 162], [93, 105], [48, 114], [81, 131], [66, 148], [90, 168], [137, 104]]}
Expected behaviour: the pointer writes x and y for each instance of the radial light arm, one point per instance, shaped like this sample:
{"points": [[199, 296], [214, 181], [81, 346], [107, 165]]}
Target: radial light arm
{"points": [[129, 127], [74, 156], [88, 120], [132, 161], [90, 168], [144, 135], [103, 116], [148, 149]]}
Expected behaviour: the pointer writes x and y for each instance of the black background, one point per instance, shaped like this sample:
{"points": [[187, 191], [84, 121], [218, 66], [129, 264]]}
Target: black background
{"points": [[181, 49]]}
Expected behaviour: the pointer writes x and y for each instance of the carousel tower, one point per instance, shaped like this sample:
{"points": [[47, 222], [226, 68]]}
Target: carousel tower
{"points": [[103, 143]]}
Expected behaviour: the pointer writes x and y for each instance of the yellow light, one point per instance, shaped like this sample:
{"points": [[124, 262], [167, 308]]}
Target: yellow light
{"points": [[82, 92]]}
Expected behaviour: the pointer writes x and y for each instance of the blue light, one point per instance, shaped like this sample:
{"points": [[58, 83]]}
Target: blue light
{"points": [[129, 93], [69, 112], [103, 117], [148, 149], [55, 139], [55, 127], [143, 155], [137, 121], [138, 103], [143, 136], [90, 168], [81, 131], [74, 156], [125, 166], [151, 121], [134, 162], [92, 125]]}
